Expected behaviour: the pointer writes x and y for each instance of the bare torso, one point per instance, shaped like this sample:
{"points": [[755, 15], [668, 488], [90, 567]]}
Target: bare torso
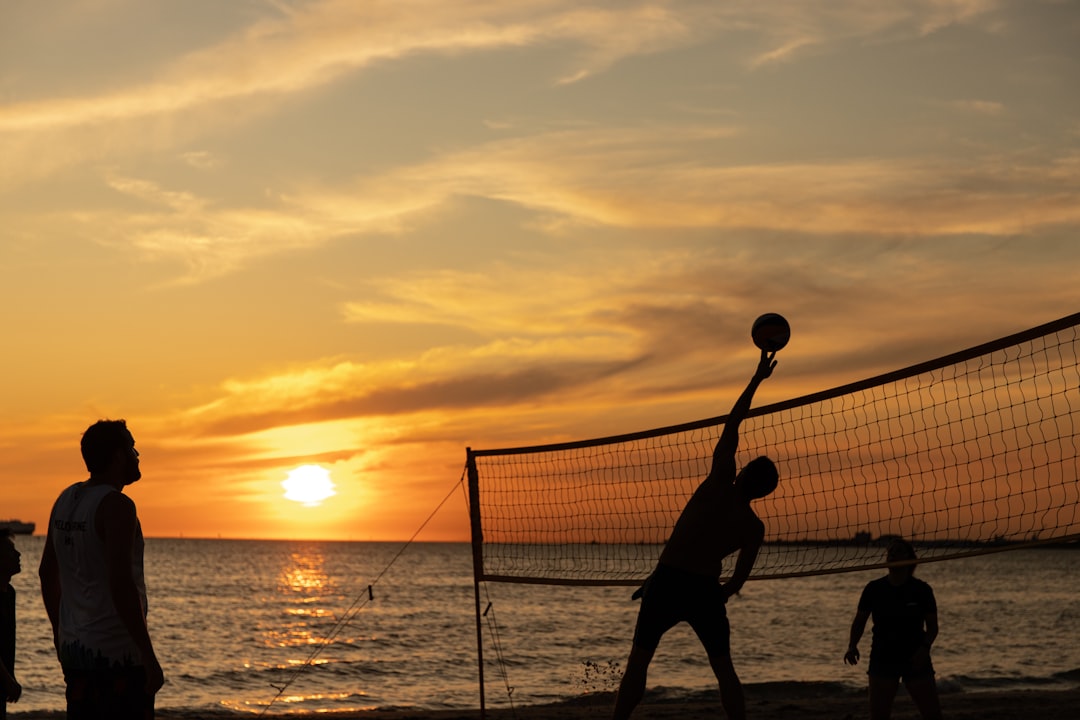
{"points": [[715, 523]]}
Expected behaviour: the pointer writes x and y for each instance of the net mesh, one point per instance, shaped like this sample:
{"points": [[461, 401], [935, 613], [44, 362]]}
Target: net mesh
{"points": [[973, 451]]}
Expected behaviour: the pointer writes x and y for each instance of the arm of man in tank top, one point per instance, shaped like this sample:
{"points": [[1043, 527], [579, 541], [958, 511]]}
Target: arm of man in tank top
{"points": [[115, 522], [724, 453], [49, 576], [753, 536]]}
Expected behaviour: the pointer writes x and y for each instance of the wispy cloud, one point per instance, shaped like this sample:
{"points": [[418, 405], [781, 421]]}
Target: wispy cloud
{"points": [[789, 29], [979, 107], [663, 177], [658, 177], [310, 46], [316, 44], [650, 331], [200, 159]]}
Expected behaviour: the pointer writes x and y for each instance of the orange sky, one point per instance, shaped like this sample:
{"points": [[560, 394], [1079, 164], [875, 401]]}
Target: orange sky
{"points": [[366, 236]]}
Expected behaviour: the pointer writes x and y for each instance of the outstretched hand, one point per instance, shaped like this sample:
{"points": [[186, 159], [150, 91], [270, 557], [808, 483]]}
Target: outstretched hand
{"points": [[766, 364]]}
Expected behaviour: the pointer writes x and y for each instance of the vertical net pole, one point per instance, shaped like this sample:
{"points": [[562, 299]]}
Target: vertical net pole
{"points": [[478, 563]]}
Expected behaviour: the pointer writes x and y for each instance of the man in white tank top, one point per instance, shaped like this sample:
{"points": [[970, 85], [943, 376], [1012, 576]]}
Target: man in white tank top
{"points": [[93, 585]]}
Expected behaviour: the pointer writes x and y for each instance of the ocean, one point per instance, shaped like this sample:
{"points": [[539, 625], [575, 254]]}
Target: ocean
{"points": [[243, 625]]}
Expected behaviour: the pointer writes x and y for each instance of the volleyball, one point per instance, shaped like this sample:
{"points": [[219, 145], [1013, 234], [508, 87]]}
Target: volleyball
{"points": [[771, 332]]}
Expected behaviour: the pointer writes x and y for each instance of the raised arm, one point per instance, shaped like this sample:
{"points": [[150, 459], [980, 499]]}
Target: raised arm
{"points": [[729, 438]]}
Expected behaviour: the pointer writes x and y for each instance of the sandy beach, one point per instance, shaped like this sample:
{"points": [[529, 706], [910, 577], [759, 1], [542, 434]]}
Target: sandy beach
{"points": [[764, 702]]}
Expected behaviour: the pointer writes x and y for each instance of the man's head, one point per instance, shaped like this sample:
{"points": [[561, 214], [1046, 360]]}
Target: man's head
{"points": [[10, 563], [900, 549], [758, 478], [109, 449]]}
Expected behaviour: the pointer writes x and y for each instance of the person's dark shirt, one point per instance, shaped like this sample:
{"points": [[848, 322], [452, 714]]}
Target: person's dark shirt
{"points": [[899, 613]]}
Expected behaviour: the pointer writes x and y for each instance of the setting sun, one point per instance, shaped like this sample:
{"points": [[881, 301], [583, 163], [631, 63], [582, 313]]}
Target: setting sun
{"points": [[309, 485]]}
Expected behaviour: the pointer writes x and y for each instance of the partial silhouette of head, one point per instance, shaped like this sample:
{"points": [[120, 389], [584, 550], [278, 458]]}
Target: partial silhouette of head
{"points": [[108, 445], [9, 556], [900, 549], [758, 478]]}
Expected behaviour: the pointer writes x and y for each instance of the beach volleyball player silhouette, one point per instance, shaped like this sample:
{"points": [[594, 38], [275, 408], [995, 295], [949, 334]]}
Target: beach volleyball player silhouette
{"points": [[716, 522]]}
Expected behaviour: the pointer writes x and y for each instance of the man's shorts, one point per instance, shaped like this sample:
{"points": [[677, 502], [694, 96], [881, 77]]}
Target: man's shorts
{"points": [[903, 665], [671, 596], [112, 694]]}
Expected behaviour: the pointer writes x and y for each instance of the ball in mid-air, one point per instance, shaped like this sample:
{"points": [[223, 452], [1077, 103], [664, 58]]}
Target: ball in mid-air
{"points": [[771, 332]]}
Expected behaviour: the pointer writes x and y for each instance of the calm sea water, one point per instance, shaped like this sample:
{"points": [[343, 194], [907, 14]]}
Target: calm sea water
{"points": [[234, 622]]}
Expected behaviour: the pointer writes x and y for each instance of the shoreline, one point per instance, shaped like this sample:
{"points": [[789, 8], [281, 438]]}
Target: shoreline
{"points": [[780, 701]]}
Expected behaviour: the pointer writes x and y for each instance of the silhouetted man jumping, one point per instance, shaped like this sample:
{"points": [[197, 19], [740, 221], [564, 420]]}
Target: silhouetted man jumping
{"points": [[716, 522]]}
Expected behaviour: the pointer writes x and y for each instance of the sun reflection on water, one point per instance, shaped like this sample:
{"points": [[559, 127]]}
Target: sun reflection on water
{"points": [[304, 582], [305, 573]]}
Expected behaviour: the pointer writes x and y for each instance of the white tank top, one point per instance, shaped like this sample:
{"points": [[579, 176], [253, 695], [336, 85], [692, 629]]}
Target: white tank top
{"points": [[92, 634]]}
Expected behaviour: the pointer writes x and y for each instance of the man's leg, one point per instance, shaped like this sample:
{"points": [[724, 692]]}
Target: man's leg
{"points": [[882, 693], [731, 693], [80, 692], [923, 691], [632, 687], [125, 696]]}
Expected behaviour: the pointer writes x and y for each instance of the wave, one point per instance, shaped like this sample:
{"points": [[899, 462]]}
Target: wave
{"points": [[967, 683]]}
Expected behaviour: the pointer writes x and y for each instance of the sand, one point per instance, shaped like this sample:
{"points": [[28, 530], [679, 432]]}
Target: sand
{"points": [[764, 702]]}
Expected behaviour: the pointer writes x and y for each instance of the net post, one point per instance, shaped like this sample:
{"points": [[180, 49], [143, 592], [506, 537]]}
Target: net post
{"points": [[478, 563]]}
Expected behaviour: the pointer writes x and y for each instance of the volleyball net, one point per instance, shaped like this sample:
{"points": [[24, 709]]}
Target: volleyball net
{"points": [[971, 452]]}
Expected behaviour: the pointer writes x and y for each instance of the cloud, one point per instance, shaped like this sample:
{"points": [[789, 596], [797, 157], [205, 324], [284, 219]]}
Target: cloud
{"points": [[200, 159], [515, 300], [300, 48], [783, 53], [316, 44], [789, 29], [469, 391], [671, 177], [979, 107], [660, 333], [209, 240], [276, 60]]}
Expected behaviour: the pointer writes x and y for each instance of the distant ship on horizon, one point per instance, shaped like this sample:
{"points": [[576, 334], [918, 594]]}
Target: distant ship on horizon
{"points": [[17, 527]]}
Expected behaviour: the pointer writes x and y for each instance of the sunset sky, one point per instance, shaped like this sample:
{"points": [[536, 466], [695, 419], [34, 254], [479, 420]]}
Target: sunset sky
{"points": [[366, 235]]}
